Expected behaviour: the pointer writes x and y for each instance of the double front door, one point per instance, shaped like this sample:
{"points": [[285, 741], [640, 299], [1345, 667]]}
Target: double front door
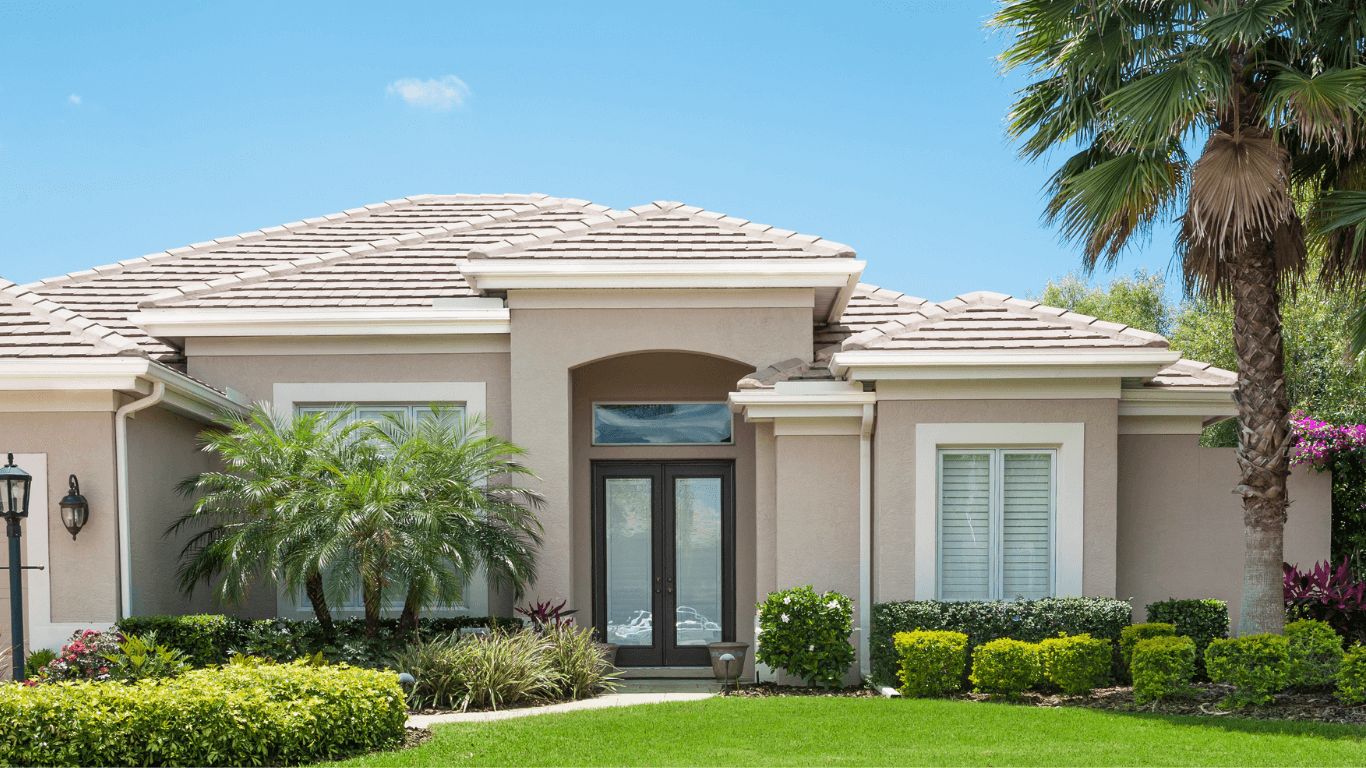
{"points": [[664, 559]]}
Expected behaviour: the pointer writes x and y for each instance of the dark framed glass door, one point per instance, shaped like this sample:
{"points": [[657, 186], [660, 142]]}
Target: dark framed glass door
{"points": [[664, 559]]}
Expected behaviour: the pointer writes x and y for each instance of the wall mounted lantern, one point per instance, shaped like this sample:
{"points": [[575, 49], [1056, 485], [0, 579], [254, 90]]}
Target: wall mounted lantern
{"points": [[75, 509], [14, 482]]}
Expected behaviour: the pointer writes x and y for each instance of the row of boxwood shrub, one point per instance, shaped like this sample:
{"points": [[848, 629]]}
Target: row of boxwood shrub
{"points": [[932, 663], [234, 715], [1033, 621], [210, 640]]}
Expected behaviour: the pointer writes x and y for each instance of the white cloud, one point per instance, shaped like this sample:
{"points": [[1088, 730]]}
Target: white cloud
{"points": [[74, 99], [444, 93]]}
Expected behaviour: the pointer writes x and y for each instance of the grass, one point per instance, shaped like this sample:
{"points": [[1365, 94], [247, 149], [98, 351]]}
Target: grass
{"points": [[854, 732]]}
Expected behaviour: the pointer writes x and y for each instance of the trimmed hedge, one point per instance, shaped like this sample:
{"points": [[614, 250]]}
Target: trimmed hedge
{"points": [[236, 715], [1203, 621], [1076, 664], [1025, 620], [210, 640], [1006, 667], [1315, 653], [1259, 665], [1162, 666], [1352, 676], [931, 662]]}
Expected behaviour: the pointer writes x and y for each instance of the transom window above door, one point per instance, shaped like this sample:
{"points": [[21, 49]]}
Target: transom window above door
{"points": [[662, 424], [996, 511]]}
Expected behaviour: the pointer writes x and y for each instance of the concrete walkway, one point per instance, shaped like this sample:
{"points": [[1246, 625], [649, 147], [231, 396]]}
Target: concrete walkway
{"points": [[608, 700]]}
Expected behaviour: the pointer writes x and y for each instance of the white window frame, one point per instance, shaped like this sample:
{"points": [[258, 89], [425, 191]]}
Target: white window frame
{"points": [[593, 424], [472, 396], [996, 515], [1069, 471]]}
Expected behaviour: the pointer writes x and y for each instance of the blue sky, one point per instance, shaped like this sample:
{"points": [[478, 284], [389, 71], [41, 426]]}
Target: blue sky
{"points": [[127, 129]]}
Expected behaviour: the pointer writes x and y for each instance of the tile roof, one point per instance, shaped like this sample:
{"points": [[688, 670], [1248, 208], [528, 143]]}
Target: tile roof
{"points": [[32, 326]]}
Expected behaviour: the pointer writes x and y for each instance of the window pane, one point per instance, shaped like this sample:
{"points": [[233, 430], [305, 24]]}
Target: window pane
{"points": [[964, 525], [630, 538], [1027, 501], [662, 424], [697, 559]]}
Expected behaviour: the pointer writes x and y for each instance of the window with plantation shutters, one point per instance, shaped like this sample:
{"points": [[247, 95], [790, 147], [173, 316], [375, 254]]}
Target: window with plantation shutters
{"points": [[996, 510]]}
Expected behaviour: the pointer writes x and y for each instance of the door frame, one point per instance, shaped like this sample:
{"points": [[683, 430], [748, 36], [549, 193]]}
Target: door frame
{"points": [[662, 473]]}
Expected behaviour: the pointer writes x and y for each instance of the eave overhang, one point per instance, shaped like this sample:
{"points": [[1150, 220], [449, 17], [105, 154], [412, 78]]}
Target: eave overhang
{"points": [[1210, 404], [134, 376], [808, 408], [875, 364], [173, 323]]}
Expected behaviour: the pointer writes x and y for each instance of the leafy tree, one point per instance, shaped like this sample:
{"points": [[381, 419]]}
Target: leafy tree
{"points": [[1139, 301], [1260, 83]]}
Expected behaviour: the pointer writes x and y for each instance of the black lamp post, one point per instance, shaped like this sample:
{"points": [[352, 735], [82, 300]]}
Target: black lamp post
{"points": [[14, 482]]}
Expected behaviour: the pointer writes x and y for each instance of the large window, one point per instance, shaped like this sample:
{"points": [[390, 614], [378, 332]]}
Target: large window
{"points": [[996, 523]]}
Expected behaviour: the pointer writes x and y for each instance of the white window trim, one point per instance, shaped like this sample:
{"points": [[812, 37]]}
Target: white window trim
{"points": [[470, 394], [1068, 439]]}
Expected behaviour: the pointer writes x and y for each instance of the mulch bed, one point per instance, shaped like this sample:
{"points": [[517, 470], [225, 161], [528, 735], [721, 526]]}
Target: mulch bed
{"points": [[415, 737], [1306, 706]]}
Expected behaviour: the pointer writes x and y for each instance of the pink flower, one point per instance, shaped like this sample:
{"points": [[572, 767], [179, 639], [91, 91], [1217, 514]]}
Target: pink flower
{"points": [[104, 669]]}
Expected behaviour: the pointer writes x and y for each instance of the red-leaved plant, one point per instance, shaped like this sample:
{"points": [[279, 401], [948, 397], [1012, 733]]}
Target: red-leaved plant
{"points": [[1330, 595], [547, 614]]}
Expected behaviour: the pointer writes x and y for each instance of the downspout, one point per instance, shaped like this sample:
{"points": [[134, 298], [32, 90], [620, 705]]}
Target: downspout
{"points": [[121, 458], [865, 525]]}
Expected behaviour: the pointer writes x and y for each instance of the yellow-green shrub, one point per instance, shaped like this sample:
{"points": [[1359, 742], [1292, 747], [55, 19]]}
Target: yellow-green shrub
{"points": [[1315, 652], [1133, 633], [931, 662], [1007, 667], [1075, 664], [1162, 666], [1258, 665], [1352, 676], [236, 715]]}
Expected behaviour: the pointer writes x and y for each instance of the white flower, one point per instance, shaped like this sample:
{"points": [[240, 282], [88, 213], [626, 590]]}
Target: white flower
{"points": [[785, 617], [833, 605], [787, 599], [812, 649]]}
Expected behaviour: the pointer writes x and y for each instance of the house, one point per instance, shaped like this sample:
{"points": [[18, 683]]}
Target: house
{"points": [[716, 409]]}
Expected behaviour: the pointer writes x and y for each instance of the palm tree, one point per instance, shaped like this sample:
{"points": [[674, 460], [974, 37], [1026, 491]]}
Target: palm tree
{"points": [[1264, 84], [244, 518], [414, 507]]}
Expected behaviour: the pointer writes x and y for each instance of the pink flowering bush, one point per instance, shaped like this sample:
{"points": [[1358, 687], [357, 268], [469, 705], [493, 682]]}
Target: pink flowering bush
{"points": [[1341, 449], [83, 657]]}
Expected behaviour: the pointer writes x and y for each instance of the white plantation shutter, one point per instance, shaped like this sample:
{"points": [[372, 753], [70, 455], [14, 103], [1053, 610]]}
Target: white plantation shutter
{"points": [[1026, 510], [995, 524], [965, 525]]}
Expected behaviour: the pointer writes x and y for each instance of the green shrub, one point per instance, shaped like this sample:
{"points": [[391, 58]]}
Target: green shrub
{"points": [[84, 657], [40, 658], [1007, 667], [237, 715], [807, 635], [931, 662], [1027, 620], [1133, 633], [142, 658], [1315, 653], [1203, 621], [211, 640], [1076, 664], [1162, 667], [490, 671], [1258, 665], [582, 670], [1352, 676]]}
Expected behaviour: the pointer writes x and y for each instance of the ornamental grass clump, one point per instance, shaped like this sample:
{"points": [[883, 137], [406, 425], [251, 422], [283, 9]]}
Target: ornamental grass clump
{"points": [[1315, 653], [1258, 665], [582, 670], [1005, 667], [806, 635], [1352, 676], [931, 662], [1076, 664], [1162, 667]]}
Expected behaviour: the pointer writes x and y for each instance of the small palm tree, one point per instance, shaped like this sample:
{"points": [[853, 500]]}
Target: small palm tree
{"points": [[414, 508], [244, 518], [1275, 90]]}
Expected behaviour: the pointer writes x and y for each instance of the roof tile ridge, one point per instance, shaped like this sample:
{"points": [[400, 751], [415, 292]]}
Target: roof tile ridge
{"points": [[49, 311], [196, 249], [767, 377], [313, 261], [779, 236], [603, 218], [1043, 312], [1202, 370], [911, 303]]}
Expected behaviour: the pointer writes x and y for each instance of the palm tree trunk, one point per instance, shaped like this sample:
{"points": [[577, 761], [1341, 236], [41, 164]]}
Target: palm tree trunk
{"points": [[1264, 437], [407, 621], [313, 587]]}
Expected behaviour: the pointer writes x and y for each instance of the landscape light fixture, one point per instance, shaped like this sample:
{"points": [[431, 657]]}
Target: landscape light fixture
{"points": [[75, 509]]}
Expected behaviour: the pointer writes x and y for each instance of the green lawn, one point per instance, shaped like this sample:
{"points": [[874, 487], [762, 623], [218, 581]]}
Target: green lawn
{"points": [[813, 731]]}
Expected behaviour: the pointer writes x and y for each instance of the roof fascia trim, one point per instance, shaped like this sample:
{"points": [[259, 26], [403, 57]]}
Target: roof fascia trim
{"points": [[871, 365], [803, 400], [512, 274], [1206, 402], [350, 321], [126, 374]]}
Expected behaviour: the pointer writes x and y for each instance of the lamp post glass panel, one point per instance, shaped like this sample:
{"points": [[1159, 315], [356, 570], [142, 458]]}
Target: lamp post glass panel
{"points": [[75, 509], [14, 482]]}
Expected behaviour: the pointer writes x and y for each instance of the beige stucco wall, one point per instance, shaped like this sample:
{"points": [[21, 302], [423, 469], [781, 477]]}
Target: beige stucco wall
{"points": [[655, 376], [894, 481], [1181, 527], [548, 343], [255, 376], [162, 451], [84, 571]]}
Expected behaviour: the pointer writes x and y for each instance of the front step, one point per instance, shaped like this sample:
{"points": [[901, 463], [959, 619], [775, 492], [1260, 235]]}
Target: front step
{"points": [[666, 673]]}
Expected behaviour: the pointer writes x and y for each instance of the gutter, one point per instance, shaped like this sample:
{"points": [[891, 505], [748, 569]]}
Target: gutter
{"points": [[121, 458], [865, 524]]}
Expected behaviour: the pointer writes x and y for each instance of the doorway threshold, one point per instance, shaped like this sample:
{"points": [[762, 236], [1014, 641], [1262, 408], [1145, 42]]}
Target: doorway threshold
{"points": [[670, 673]]}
